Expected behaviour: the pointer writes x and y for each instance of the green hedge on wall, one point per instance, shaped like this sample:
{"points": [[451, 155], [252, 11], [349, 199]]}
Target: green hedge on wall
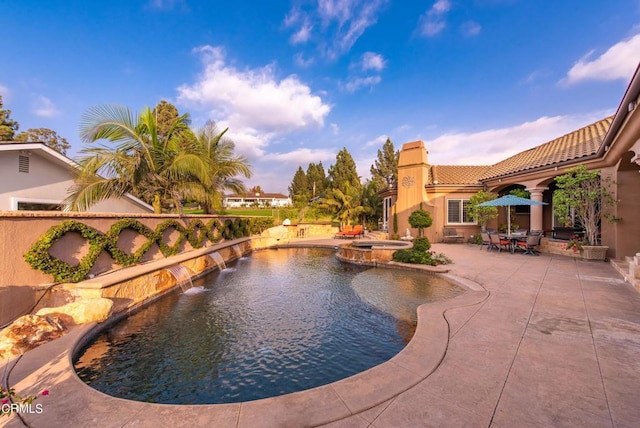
{"points": [[196, 233]]}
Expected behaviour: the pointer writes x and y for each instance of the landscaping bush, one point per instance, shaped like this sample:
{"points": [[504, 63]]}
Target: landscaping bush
{"points": [[259, 224], [420, 257], [421, 244], [412, 256]]}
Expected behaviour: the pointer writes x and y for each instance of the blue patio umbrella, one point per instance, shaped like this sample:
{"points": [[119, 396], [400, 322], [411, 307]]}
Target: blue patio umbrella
{"points": [[510, 201]]}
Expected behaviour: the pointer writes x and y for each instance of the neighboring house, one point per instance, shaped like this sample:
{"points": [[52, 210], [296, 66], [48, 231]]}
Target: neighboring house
{"points": [[264, 200], [34, 177], [611, 145]]}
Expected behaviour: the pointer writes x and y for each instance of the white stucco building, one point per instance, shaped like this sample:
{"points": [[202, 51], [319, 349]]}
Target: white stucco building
{"points": [[263, 200], [35, 177]]}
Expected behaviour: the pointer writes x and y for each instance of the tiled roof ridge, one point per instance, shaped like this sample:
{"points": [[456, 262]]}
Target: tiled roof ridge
{"points": [[457, 174], [582, 142]]}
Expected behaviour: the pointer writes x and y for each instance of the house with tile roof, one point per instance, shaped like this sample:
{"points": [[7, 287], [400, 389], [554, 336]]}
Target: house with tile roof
{"points": [[611, 145]]}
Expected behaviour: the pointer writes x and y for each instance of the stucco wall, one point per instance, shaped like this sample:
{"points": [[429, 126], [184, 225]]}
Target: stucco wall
{"points": [[19, 231], [21, 285]]}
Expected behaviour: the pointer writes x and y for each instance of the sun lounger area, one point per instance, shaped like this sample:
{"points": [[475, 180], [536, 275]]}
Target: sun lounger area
{"points": [[350, 231]]}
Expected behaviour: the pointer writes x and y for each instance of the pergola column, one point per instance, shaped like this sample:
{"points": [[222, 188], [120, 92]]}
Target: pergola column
{"points": [[535, 221]]}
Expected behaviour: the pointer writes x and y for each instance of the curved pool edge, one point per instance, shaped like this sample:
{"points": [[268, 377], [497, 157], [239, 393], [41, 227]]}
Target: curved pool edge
{"points": [[71, 402]]}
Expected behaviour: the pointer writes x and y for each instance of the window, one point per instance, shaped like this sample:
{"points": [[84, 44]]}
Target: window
{"points": [[38, 206], [23, 163], [458, 212]]}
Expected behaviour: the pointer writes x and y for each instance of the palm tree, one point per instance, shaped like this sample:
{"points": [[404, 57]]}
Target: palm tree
{"points": [[224, 167], [345, 206], [152, 166]]}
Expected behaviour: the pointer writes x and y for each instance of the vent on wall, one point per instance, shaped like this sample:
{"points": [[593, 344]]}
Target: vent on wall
{"points": [[23, 163]]}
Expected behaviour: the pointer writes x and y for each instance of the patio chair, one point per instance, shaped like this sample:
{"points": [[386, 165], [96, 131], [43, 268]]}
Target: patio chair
{"points": [[529, 246], [358, 230], [499, 243], [346, 229], [486, 240]]}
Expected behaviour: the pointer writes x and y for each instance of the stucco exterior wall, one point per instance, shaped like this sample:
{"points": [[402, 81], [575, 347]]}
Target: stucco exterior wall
{"points": [[21, 285], [413, 173]]}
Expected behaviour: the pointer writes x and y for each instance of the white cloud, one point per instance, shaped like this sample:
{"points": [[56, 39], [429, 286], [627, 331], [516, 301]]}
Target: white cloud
{"points": [[471, 28], [168, 5], [302, 156], [335, 128], [342, 22], [377, 142], [254, 103], [44, 107], [372, 61], [433, 21], [302, 35], [301, 61], [441, 7], [617, 63], [360, 82], [535, 76], [493, 145]]}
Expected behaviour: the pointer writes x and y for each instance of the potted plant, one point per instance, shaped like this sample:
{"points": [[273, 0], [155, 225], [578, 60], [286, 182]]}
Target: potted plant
{"points": [[420, 219], [585, 195]]}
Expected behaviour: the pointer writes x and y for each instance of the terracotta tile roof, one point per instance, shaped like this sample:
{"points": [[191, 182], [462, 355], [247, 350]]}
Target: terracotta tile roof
{"points": [[575, 145], [457, 174]]}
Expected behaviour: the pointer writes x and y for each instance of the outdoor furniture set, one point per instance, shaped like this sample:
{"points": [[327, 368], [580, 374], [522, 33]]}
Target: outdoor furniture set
{"points": [[514, 241], [350, 231]]}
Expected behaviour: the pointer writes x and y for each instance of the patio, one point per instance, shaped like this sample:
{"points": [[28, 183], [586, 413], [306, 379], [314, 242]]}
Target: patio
{"points": [[555, 342]]}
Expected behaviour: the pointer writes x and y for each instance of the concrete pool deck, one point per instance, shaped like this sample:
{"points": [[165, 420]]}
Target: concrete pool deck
{"points": [[549, 341]]}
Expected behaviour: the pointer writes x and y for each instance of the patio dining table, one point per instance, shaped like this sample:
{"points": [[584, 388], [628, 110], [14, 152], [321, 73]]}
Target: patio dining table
{"points": [[513, 239]]}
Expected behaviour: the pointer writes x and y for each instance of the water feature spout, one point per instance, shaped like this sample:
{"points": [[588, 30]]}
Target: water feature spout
{"points": [[182, 276], [237, 250], [219, 261]]}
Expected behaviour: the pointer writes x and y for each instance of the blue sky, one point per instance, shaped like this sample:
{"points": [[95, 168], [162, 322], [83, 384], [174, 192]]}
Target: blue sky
{"points": [[295, 81]]}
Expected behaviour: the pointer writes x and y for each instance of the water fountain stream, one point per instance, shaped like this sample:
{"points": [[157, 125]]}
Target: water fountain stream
{"points": [[182, 276], [217, 258]]}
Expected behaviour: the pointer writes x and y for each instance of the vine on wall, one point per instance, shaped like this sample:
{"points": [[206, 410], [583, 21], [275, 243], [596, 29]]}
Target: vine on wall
{"points": [[196, 233]]}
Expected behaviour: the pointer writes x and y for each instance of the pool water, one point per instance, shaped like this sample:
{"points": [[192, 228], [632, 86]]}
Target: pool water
{"points": [[277, 322]]}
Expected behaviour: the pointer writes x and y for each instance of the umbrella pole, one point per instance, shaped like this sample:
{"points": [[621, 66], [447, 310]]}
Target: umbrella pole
{"points": [[509, 220]]}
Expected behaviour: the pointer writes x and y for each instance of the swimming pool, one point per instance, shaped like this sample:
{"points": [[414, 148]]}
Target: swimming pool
{"points": [[277, 322]]}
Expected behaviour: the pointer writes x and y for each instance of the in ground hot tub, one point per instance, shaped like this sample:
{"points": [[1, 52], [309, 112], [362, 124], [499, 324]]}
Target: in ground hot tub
{"points": [[370, 252]]}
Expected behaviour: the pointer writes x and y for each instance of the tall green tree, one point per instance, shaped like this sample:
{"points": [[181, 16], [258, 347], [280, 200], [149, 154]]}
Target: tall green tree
{"points": [[384, 171], [372, 201], [316, 179], [225, 167], [343, 173], [482, 214], [166, 114], [585, 195], [299, 188], [43, 135], [8, 126], [138, 160], [344, 206]]}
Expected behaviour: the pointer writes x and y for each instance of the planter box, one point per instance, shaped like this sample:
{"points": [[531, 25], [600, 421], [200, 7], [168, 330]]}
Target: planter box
{"points": [[594, 252]]}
